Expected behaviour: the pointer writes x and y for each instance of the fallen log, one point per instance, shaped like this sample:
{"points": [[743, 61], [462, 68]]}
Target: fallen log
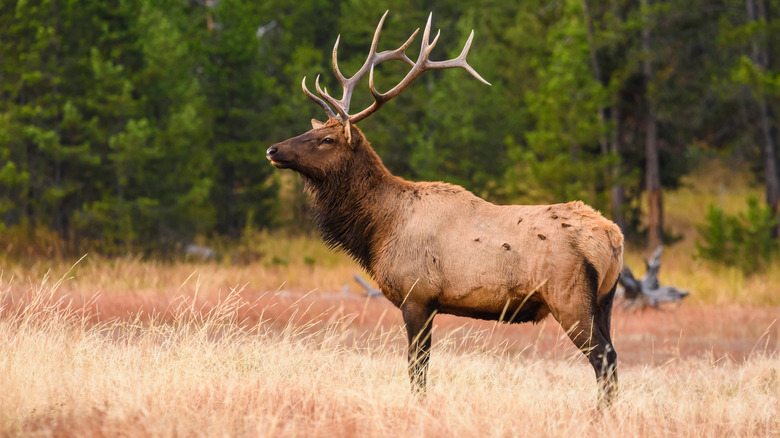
{"points": [[370, 291], [647, 291]]}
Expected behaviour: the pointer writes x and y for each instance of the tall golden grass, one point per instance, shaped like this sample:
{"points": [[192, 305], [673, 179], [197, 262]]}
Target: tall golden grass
{"points": [[226, 369], [246, 345]]}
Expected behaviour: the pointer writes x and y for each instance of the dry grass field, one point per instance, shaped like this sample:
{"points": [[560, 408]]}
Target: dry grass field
{"points": [[132, 348], [283, 342]]}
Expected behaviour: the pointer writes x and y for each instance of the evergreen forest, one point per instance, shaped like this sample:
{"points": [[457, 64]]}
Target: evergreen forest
{"points": [[140, 126]]}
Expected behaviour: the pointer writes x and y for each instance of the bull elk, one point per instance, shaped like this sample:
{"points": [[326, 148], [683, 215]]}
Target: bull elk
{"points": [[436, 248]]}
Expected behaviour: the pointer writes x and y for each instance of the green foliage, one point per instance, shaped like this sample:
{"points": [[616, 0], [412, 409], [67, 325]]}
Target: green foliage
{"points": [[560, 159], [744, 240], [238, 96], [141, 125]]}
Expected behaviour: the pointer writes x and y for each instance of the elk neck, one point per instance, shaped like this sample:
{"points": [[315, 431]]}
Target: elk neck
{"points": [[357, 208]]}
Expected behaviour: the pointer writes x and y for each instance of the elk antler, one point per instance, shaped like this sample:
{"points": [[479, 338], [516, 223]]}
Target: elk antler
{"points": [[348, 84]]}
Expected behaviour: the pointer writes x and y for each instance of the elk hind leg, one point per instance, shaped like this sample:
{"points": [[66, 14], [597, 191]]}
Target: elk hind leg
{"points": [[586, 334], [609, 376], [604, 311], [586, 322]]}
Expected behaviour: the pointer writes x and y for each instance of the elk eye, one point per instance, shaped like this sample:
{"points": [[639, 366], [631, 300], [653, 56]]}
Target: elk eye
{"points": [[327, 140]]}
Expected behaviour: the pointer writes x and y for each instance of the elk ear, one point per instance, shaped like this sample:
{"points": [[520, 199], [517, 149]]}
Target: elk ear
{"points": [[348, 132], [316, 124]]}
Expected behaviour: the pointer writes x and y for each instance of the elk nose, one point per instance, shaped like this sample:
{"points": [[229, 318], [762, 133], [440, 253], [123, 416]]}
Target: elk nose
{"points": [[271, 151]]}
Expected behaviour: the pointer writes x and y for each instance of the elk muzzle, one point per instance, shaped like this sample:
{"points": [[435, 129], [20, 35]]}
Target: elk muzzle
{"points": [[276, 158]]}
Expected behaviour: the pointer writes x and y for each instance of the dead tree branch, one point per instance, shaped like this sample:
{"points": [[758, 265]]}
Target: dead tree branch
{"points": [[647, 291]]}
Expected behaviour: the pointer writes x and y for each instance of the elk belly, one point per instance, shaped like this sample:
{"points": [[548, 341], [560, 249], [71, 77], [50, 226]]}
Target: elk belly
{"points": [[504, 306]]}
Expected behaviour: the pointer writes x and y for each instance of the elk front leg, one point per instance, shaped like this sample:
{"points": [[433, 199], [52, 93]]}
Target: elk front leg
{"points": [[419, 323]]}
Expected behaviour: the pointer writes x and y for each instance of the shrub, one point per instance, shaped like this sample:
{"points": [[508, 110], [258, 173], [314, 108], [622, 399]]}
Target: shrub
{"points": [[745, 240]]}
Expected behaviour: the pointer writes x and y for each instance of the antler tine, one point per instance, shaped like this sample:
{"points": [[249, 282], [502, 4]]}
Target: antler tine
{"points": [[335, 62], [319, 101], [331, 100], [399, 53], [426, 47], [460, 61]]}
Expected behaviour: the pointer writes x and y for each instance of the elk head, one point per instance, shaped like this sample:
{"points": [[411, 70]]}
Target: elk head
{"points": [[315, 154], [331, 146]]}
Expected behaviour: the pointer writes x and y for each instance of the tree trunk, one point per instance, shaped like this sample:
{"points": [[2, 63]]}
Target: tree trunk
{"points": [[653, 184], [655, 224], [618, 194], [229, 179], [770, 164], [209, 16], [594, 65], [596, 70], [612, 175], [760, 57], [618, 191]]}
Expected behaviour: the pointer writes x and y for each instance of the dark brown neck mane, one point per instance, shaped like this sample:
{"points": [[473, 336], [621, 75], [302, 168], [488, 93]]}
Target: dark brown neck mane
{"points": [[355, 208]]}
